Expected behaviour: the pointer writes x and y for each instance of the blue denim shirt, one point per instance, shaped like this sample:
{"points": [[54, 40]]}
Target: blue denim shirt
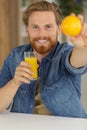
{"points": [[59, 82]]}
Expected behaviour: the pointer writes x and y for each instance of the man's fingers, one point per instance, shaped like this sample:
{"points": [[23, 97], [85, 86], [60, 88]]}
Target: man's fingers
{"points": [[23, 63], [81, 18]]}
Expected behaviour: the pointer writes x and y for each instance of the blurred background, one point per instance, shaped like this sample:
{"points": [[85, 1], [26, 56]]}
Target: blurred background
{"points": [[12, 29]]}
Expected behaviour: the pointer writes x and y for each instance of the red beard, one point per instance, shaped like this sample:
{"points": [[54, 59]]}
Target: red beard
{"points": [[43, 47]]}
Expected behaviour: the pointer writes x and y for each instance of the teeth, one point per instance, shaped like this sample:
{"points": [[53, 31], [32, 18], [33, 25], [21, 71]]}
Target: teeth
{"points": [[42, 41]]}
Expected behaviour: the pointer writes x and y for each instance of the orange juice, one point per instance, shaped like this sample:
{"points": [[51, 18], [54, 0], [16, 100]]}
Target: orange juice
{"points": [[33, 62]]}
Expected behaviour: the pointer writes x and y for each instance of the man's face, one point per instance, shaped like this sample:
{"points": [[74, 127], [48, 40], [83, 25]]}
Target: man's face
{"points": [[42, 31]]}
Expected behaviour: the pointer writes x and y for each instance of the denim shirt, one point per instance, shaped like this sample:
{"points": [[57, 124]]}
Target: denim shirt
{"points": [[59, 82]]}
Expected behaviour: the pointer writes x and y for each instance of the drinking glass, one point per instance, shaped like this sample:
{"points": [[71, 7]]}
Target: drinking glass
{"points": [[30, 58]]}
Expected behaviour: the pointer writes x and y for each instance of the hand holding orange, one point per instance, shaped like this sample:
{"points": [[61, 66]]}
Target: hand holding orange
{"points": [[71, 25]]}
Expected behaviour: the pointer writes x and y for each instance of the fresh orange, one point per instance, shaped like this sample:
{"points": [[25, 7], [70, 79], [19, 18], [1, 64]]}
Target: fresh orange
{"points": [[71, 25]]}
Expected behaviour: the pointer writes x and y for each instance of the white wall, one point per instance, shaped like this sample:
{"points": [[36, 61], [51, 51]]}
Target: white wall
{"points": [[84, 77], [84, 90]]}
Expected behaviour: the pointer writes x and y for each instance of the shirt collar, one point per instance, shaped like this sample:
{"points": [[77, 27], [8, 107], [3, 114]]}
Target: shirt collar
{"points": [[52, 52]]}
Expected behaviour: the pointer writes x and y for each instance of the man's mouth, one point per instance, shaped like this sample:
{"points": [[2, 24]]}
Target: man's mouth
{"points": [[42, 41]]}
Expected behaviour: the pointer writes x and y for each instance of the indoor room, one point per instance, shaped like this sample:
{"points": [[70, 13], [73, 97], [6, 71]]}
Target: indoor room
{"points": [[14, 32]]}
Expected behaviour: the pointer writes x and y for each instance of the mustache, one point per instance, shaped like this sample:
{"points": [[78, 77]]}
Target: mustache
{"points": [[41, 38]]}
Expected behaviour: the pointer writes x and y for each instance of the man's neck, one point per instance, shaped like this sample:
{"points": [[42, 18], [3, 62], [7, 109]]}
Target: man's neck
{"points": [[40, 56]]}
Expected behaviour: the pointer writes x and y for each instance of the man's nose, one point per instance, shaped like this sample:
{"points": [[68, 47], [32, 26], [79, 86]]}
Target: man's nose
{"points": [[42, 31]]}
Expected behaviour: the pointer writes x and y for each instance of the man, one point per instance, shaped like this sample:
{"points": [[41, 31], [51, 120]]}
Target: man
{"points": [[57, 90]]}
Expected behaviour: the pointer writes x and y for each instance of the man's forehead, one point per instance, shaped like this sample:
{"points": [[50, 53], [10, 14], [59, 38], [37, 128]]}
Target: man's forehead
{"points": [[46, 17], [42, 13]]}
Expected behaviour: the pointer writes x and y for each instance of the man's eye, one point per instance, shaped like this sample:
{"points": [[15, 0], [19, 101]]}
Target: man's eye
{"points": [[49, 26], [35, 27]]}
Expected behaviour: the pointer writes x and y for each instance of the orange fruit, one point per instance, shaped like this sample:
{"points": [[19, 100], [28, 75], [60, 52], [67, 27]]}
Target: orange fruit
{"points": [[71, 25]]}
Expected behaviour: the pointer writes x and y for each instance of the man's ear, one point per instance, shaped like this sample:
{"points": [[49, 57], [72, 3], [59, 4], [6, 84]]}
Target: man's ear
{"points": [[59, 29], [26, 29]]}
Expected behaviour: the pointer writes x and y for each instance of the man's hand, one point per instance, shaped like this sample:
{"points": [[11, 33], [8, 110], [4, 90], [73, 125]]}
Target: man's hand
{"points": [[23, 73], [81, 39]]}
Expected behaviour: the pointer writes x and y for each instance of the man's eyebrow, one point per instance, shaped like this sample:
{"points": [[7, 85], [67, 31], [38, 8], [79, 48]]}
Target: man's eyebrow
{"points": [[34, 25], [49, 24]]}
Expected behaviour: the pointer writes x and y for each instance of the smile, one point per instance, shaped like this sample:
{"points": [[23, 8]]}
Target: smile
{"points": [[41, 41]]}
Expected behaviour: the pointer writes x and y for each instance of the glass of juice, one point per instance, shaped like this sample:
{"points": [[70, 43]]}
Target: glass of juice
{"points": [[30, 58]]}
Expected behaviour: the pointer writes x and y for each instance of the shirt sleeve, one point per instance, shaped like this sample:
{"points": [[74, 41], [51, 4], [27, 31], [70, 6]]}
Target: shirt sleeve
{"points": [[72, 69], [5, 74]]}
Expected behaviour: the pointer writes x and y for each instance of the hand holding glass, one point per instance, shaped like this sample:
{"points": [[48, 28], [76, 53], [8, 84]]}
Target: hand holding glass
{"points": [[32, 60]]}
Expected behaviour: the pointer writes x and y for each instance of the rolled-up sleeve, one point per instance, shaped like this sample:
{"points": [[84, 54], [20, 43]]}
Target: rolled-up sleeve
{"points": [[72, 69]]}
